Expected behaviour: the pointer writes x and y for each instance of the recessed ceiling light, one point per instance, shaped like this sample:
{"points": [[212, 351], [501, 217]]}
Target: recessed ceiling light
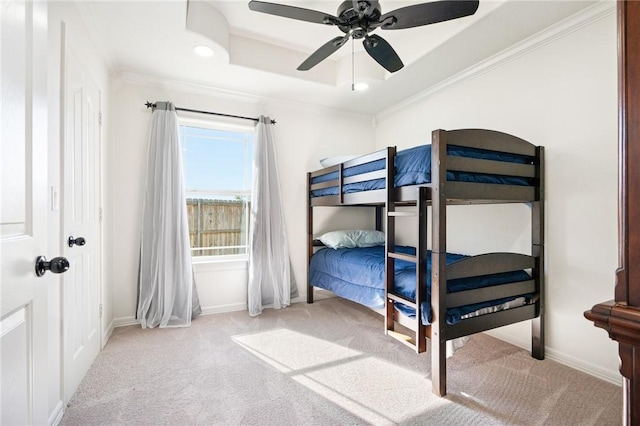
{"points": [[360, 86], [204, 51]]}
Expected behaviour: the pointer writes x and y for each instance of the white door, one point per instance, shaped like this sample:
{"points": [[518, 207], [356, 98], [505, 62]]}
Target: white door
{"points": [[23, 212], [81, 216]]}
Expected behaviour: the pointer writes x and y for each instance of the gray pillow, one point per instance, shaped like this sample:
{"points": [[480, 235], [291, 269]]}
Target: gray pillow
{"points": [[352, 238]]}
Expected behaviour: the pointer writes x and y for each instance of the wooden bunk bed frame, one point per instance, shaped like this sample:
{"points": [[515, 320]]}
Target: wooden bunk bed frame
{"points": [[438, 194]]}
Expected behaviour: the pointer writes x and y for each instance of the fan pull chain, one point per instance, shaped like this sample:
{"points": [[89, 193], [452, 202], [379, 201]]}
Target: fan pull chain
{"points": [[353, 66]]}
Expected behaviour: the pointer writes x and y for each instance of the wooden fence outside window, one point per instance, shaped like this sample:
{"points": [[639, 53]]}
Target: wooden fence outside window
{"points": [[217, 223]]}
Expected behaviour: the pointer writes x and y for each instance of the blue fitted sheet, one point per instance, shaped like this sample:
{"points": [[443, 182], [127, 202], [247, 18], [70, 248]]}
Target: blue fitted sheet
{"points": [[358, 275], [413, 167]]}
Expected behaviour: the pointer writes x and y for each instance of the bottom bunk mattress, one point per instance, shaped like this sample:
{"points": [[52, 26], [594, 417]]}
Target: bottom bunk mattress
{"points": [[357, 274]]}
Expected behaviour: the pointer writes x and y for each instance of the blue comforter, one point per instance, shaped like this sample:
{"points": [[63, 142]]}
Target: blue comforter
{"points": [[413, 167], [358, 275]]}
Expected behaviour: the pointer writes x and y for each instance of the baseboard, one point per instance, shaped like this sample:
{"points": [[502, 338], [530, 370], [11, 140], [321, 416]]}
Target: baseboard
{"points": [[232, 307], [56, 415], [298, 300], [611, 376], [235, 307], [207, 310], [106, 335], [125, 321]]}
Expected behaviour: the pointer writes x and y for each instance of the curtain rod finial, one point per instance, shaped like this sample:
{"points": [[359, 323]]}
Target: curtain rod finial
{"points": [[150, 105]]}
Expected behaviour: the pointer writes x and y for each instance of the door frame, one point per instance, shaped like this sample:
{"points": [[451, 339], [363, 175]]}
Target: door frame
{"points": [[65, 45]]}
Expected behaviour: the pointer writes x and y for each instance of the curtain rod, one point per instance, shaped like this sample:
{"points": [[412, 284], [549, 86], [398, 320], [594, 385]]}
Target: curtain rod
{"points": [[150, 105]]}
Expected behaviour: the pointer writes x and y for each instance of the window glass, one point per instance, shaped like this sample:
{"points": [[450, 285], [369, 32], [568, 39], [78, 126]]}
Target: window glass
{"points": [[217, 168]]}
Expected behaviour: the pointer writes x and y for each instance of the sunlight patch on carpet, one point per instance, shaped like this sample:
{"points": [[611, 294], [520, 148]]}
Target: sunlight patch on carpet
{"points": [[375, 390], [288, 350]]}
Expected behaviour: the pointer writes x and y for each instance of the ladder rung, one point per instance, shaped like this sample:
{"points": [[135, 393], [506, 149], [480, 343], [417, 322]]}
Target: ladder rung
{"points": [[403, 300], [401, 213], [403, 338], [402, 256]]}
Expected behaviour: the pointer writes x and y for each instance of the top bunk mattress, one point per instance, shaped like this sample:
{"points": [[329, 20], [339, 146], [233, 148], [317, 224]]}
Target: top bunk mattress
{"points": [[358, 274], [413, 167]]}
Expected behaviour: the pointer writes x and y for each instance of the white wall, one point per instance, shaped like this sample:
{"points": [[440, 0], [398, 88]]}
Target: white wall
{"points": [[303, 134], [65, 15], [563, 96]]}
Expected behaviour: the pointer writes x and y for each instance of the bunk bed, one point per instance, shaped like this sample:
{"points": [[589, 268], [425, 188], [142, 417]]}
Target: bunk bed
{"points": [[446, 296]]}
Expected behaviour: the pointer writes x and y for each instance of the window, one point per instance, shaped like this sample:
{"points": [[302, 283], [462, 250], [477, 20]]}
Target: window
{"points": [[217, 168]]}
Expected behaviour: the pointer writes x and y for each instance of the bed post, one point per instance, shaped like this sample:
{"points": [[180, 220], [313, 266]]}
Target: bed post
{"points": [[421, 266], [309, 238], [537, 250], [390, 234], [438, 262]]}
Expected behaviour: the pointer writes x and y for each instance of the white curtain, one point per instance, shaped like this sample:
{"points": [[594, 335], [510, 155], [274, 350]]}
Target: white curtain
{"points": [[270, 278], [167, 296]]}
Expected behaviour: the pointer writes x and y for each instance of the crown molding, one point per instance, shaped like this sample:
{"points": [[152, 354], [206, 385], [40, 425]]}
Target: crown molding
{"points": [[90, 20], [555, 32], [170, 83], [148, 80]]}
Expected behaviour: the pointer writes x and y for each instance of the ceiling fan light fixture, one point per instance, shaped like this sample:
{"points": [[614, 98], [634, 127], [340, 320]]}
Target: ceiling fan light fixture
{"points": [[204, 51]]}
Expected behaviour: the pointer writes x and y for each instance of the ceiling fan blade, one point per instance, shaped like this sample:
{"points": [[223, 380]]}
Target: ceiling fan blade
{"points": [[428, 13], [323, 53], [293, 12], [380, 50]]}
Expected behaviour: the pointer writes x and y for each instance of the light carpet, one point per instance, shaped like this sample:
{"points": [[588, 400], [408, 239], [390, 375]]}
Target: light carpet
{"points": [[328, 363]]}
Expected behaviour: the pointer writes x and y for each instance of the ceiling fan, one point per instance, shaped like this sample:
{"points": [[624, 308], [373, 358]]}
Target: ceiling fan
{"points": [[357, 18]]}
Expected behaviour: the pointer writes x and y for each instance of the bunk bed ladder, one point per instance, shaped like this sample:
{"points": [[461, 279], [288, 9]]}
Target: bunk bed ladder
{"points": [[418, 341]]}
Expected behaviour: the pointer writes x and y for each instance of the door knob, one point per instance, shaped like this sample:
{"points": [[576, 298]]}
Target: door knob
{"points": [[79, 241], [57, 265]]}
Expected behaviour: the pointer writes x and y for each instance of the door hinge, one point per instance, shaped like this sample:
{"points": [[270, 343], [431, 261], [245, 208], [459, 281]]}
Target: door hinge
{"points": [[100, 119], [100, 311], [99, 214]]}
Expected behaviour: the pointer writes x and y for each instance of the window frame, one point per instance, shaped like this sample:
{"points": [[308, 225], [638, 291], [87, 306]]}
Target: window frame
{"points": [[218, 124]]}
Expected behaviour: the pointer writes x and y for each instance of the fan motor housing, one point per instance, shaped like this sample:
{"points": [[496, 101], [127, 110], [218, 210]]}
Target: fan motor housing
{"points": [[347, 14]]}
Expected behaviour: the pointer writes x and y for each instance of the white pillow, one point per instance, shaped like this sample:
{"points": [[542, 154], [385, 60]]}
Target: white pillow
{"points": [[352, 238], [332, 161]]}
